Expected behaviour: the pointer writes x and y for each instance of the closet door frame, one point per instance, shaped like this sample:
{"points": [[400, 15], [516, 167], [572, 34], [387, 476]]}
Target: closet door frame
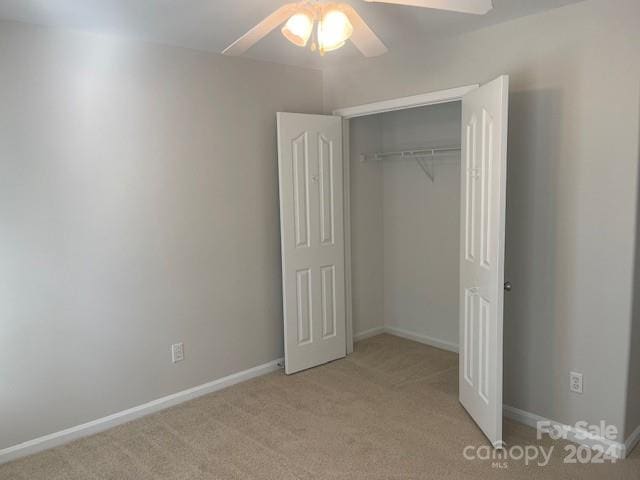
{"points": [[401, 103]]}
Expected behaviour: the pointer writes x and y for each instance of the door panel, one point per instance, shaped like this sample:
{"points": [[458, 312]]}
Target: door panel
{"points": [[328, 301], [303, 301], [300, 159], [483, 183], [312, 231], [327, 183]]}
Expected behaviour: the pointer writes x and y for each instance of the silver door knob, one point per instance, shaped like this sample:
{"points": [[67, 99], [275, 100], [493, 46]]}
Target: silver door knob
{"points": [[507, 286]]}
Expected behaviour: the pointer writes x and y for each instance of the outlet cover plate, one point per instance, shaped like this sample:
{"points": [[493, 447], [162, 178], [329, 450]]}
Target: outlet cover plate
{"points": [[177, 352], [575, 382]]}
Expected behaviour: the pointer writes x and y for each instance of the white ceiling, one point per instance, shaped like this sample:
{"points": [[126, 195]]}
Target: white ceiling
{"points": [[213, 24]]}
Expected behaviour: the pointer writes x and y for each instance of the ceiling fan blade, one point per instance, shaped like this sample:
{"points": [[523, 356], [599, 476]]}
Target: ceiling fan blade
{"points": [[261, 30], [363, 37], [477, 7]]}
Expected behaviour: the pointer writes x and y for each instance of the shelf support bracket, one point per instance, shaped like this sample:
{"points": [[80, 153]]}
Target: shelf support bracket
{"points": [[427, 167]]}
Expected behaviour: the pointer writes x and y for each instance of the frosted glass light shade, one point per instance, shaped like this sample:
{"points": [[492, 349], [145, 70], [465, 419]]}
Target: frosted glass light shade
{"points": [[298, 29], [334, 29]]}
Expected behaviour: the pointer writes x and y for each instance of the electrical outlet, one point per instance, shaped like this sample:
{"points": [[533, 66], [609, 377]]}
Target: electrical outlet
{"points": [[177, 352], [575, 382]]}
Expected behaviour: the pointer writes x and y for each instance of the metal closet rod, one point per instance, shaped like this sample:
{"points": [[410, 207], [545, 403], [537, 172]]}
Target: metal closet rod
{"points": [[418, 152]]}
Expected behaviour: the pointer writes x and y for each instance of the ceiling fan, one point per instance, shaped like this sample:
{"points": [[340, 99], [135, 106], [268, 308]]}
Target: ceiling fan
{"points": [[336, 23]]}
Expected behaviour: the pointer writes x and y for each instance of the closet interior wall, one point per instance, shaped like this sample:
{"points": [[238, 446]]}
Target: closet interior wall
{"points": [[405, 227]]}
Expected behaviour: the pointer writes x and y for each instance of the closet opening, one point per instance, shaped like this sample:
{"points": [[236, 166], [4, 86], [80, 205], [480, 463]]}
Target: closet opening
{"points": [[405, 223]]}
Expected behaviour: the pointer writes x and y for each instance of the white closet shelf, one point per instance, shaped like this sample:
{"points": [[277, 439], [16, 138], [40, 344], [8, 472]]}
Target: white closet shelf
{"points": [[417, 152], [424, 157]]}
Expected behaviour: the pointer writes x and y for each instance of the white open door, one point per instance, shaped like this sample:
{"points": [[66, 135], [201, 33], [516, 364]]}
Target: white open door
{"points": [[312, 231], [483, 174]]}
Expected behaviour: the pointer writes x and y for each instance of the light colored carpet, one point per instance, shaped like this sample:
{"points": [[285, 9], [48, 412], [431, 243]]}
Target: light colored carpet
{"points": [[389, 411]]}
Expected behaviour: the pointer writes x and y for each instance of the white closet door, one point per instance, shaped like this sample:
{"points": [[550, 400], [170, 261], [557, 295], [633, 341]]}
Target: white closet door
{"points": [[312, 231], [483, 174]]}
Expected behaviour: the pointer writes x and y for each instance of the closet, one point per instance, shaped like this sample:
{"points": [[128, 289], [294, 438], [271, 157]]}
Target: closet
{"points": [[392, 218], [405, 223]]}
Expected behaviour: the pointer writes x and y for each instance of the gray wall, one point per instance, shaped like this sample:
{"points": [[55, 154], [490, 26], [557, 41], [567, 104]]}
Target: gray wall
{"points": [[138, 208], [573, 154], [633, 387]]}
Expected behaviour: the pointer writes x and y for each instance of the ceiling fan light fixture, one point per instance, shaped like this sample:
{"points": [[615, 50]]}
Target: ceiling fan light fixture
{"points": [[298, 28], [334, 29], [336, 23]]}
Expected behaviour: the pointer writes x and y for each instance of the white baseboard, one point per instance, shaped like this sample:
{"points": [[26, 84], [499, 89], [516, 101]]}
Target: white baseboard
{"points": [[372, 332], [615, 449], [399, 332], [59, 438], [417, 337], [632, 441]]}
